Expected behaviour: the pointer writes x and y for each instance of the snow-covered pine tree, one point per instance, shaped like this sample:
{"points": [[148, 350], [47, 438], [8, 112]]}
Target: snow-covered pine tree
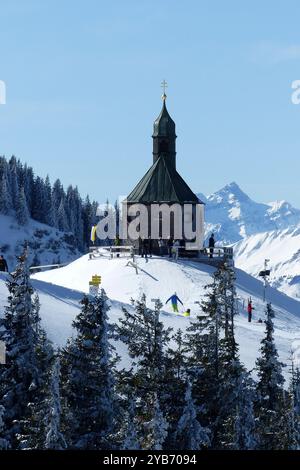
{"points": [[145, 336], [22, 213], [293, 410], [155, 428], [62, 221], [172, 400], [203, 361], [214, 364], [26, 181], [88, 386], [54, 437], [239, 427], [39, 207], [131, 440], [22, 380], [35, 428], [3, 442], [74, 214], [270, 406], [234, 424], [147, 340], [13, 181], [190, 435], [5, 196], [49, 209]]}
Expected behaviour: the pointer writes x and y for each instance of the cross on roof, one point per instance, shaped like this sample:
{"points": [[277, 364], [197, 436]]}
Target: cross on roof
{"points": [[164, 85]]}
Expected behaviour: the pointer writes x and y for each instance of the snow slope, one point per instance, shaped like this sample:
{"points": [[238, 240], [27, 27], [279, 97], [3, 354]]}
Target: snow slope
{"points": [[47, 245], [283, 250], [160, 278]]}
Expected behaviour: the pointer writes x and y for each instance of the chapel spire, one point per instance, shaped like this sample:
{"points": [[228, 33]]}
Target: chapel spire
{"points": [[164, 135]]}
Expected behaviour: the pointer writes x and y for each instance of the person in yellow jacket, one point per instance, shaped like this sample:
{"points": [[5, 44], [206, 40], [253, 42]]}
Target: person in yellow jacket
{"points": [[94, 233], [187, 313]]}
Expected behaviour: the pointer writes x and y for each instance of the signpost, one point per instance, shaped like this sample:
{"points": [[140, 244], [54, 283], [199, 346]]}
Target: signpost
{"points": [[94, 285]]}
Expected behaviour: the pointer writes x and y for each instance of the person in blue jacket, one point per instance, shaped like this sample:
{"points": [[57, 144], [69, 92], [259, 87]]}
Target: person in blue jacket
{"points": [[174, 301]]}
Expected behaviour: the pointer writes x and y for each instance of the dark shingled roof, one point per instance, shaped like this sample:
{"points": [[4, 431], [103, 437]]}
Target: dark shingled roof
{"points": [[162, 183], [164, 124]]}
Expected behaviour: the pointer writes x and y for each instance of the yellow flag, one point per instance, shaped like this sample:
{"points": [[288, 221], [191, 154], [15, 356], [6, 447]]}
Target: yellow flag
{"points": [[93, 233]]}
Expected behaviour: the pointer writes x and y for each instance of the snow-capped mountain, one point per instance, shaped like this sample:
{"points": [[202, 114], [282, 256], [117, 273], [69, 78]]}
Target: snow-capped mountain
{"points": [[258, 231], [233, 216]]}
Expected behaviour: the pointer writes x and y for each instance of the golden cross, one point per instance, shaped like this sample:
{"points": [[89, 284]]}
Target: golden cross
{"points": [[164, 85]]}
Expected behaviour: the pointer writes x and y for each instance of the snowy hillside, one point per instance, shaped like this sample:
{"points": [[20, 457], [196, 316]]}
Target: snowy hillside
{"points": [[232, 215], [283, 250], [47, 245], [160, 278]]}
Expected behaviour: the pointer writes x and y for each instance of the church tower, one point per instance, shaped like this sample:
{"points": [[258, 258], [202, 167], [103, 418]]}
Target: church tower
{"points": [[164, 136], [162, 184]]}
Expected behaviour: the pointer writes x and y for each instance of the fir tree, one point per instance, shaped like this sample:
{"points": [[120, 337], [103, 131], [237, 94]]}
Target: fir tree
{"points": [[88, 388], [239, 430], [21, 381], [3, 442], [62, 221], [156, 429], [172, 396], [5, 196], [22, 213], [145, 336], [293, 414], [271, 396], [131, 440], [190, 435], [54, 438], [213, 364]]}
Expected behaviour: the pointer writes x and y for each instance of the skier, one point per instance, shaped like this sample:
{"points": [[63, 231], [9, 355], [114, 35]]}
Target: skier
{"points": [[250, 309], [211, 244], [3, 264], [174, 301], [187, 313]]}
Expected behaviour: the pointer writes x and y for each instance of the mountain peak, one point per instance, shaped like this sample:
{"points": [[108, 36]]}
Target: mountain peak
{"points": [[231, 191]]}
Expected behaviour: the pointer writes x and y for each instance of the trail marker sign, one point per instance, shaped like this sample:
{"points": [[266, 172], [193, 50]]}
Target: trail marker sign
{"points": [[94, 284]]}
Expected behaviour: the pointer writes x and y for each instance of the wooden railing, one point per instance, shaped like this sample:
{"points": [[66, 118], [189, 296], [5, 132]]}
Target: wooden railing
{"points": [[111, 251], [217, 252]]}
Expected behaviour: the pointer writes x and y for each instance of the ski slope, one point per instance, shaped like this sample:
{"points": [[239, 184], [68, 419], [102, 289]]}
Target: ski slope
{"points": [[159, 278], [282, 247]]}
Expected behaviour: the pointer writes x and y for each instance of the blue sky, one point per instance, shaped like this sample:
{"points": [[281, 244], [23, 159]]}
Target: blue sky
{"points": [[83, 89]]}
